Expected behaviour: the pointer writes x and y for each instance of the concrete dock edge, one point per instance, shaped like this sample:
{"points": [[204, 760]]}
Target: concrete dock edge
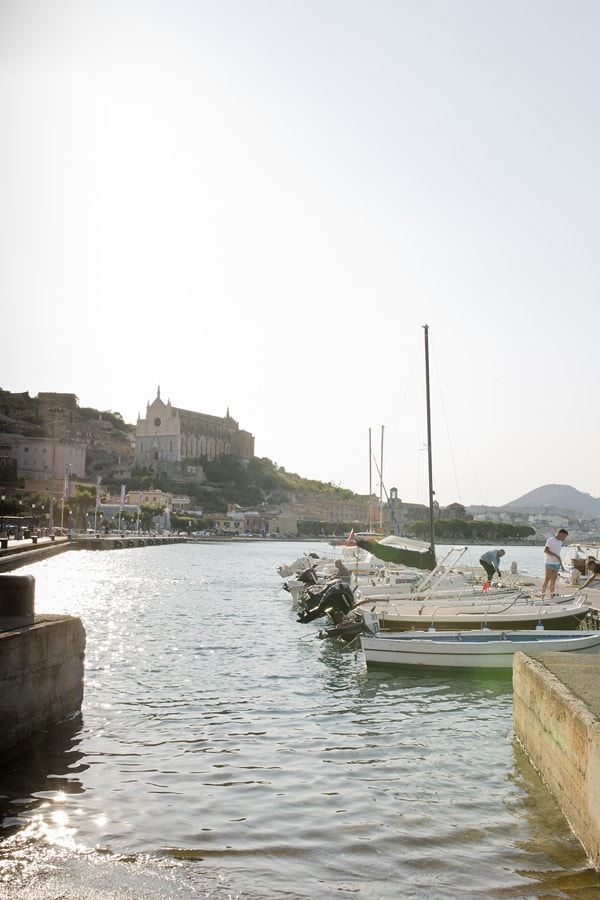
{"points": [[556, 717], [41, 677]]}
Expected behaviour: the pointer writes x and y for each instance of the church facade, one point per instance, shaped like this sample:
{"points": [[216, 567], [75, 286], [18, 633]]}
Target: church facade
{"points": [[170, 441]]}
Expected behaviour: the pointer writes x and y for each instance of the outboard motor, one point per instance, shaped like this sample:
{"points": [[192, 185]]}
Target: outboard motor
{"points": [[308, 576], [334, 600]]}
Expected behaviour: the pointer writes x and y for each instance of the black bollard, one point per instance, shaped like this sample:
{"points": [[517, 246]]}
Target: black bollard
{"points": [[17, 596]]}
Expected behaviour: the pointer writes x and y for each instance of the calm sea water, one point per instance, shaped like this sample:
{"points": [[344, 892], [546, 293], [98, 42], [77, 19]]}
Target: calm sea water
{"points": [[223, 751]]}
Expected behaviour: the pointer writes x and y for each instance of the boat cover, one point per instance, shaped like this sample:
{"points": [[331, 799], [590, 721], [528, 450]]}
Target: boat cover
{"points": [[417, 559]]}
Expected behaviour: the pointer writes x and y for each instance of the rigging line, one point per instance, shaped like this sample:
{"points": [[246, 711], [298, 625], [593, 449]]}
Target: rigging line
{"points": [[392, 510], [407, 384], [462, 431], [448, 437]]}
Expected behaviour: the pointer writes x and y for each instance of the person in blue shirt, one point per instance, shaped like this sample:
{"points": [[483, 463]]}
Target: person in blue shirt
{"points": [[491, 563]]}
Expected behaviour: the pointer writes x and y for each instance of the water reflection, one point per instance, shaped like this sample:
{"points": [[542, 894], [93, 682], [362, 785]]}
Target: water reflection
{"points": [[42, 776], [345, 666], [549, 845], [255, 762]]}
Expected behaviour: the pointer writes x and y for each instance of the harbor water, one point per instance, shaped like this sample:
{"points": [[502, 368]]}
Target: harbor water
{"points": [[224, 751]]}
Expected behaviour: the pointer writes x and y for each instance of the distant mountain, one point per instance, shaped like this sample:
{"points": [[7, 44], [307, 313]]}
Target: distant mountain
{"points": [[557, 498]]}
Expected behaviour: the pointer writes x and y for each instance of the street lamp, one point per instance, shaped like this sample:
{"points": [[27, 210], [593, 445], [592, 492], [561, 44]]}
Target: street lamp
{"points": [[32, 519]]}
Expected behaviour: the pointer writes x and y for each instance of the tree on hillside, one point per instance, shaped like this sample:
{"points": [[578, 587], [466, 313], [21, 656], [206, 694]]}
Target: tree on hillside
{"points": [[81, 501]]}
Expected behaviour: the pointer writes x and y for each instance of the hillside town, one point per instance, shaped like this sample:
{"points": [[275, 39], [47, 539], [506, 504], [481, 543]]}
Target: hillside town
{"points": [[63, 466]]}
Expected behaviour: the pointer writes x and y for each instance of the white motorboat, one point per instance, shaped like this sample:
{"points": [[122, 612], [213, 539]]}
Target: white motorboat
{"points": [[513, 610], [482, 648]]}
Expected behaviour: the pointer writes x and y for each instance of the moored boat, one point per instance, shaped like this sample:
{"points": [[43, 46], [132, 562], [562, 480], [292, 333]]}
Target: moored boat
{"points": [[513, 610], [483, 648]]}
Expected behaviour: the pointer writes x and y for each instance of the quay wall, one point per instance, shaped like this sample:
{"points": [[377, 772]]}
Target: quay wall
{"points": [[24, 553], [556, 716], [41, 677]]}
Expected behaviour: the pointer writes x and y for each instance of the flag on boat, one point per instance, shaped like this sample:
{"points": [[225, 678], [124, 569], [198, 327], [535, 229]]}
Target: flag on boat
{"points": [[486, 585]]}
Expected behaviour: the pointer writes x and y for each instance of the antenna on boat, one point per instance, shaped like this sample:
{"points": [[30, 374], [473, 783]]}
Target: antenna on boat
{"points": [[429, 459]]}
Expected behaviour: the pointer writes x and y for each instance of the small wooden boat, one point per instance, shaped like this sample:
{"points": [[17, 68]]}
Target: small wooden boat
{"points": [[482, 648]]}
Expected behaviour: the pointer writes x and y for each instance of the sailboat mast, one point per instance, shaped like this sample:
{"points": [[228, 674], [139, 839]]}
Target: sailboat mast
{"points": [[429, 458], [370, 487], [381, 484]]}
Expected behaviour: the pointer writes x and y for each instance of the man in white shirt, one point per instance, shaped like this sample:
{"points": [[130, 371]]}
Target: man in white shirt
{"points": [[552, 549]]}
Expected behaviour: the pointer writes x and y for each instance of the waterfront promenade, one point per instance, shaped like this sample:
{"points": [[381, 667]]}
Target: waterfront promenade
{"points": [[17, 553]]}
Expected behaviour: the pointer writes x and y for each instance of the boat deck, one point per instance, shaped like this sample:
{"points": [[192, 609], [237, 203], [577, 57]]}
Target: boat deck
{"points": [[592, 593]]}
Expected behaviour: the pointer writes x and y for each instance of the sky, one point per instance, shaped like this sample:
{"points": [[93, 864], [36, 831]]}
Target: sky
{"points": [[258, 204]]}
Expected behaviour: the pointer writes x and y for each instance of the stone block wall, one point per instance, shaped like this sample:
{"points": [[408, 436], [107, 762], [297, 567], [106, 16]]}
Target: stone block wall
{"points": [[559, 728], [41, 676]]}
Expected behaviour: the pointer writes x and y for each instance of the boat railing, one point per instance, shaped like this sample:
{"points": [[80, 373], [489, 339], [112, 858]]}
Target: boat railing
{"points": [[443, 569]]}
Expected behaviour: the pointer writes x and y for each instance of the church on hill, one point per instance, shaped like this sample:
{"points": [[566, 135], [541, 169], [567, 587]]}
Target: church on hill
{"points": [[170, 441]]}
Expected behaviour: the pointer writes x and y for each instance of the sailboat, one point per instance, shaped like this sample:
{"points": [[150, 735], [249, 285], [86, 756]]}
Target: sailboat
{"points": [[404, 551], [446, 598]]}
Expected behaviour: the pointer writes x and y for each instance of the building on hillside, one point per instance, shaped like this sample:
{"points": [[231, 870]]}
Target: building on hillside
{"points": [[241, 521], [284, 522], [107, 447], [50, 402], [171, 442], [42, 462], [112, 510], [398, 514], [319, 506], [152, 497], [454, 511]]}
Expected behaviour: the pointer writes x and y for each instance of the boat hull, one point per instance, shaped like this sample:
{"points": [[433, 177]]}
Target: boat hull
{"points": [[514, 614], [481, 649]]}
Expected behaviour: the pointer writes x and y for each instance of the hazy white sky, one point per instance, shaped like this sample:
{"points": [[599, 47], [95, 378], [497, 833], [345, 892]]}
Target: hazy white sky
{"points": [[257, 204]]}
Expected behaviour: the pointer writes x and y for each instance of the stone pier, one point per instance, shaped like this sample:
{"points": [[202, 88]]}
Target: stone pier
{"points": [[556, 715], [41, 665]]}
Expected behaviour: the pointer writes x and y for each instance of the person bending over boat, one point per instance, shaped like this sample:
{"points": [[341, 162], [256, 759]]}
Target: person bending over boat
{"points": [[593, 567], [491, 563], [554, 565]]}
